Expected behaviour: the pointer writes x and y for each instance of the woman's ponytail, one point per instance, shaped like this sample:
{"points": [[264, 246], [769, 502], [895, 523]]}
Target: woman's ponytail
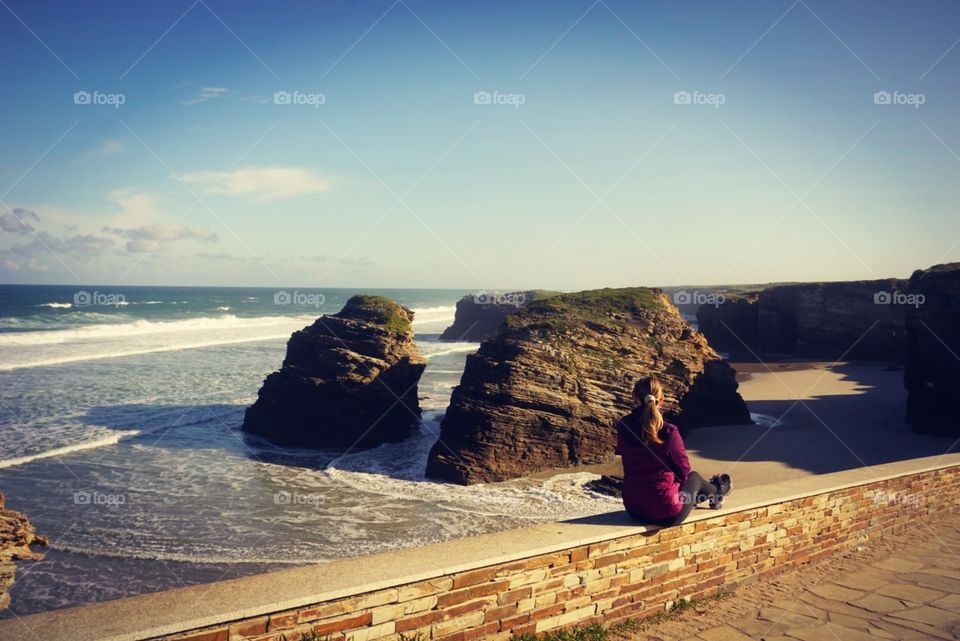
{"points": [[649, 392]]}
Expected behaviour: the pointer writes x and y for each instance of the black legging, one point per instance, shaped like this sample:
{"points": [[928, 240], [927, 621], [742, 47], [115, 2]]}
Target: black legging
{"points": [[695, 490]]}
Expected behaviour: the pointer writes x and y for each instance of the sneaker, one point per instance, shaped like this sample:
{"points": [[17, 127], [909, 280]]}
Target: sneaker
{"points": [[724, 486]]}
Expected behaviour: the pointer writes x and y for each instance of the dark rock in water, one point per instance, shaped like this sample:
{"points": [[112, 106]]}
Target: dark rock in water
{"points": [[348, 379], [732, 325], [548, 389], [480, 316], [16, 537], [607, 485], [932, 373]]}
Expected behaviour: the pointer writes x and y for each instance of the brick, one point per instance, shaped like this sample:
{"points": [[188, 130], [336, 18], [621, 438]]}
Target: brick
{"points": [[417, 621], [282, 621], [513, 596], [500, 612], [221, 634], [455, 625], [467, 594], [339, 624], [425, 588], [250, 627], [474, 577], [371, 632]]}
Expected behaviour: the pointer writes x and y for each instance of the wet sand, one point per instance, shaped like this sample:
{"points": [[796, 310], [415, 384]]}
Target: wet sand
{"points": [[815, 418]]}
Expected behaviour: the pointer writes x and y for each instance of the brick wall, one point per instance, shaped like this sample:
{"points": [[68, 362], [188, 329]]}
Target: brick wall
{"points": [[627, 577]]}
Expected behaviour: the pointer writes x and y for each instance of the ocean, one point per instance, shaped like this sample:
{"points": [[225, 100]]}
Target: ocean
{"points": [[120, 438]]}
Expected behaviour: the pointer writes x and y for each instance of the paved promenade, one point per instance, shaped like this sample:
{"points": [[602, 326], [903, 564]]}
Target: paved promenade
{"points": [[904, 587]]}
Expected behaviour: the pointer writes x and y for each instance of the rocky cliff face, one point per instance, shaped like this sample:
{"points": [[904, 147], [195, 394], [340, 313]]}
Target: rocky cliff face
{"points": [[348, 379], [547, 390], [732, 326], [16, 537], [814, 320], [480, 316], [932, 374]]}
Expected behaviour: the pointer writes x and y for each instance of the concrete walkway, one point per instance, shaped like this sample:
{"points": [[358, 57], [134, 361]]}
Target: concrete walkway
{"points": [[904, 587]]}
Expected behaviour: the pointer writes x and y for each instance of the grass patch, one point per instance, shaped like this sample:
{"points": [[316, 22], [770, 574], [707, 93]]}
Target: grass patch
{"points": [[380, 310], [626, 629], [607, 307]]}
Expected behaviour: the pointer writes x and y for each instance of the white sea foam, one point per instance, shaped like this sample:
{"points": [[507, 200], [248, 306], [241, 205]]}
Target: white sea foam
{"points": [[68, 449], [56, 305], [112, 340], [431, 349], [440, 316]]}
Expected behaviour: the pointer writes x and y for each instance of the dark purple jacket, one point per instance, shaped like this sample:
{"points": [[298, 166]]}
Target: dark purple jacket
{"points": [[652, 473]]}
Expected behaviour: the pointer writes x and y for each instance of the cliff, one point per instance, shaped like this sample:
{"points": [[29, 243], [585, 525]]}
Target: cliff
{"points": [[547, 390], [348, 379], [731, 326], [16, 537], [480, 316], [932, 374], [854, 320]]}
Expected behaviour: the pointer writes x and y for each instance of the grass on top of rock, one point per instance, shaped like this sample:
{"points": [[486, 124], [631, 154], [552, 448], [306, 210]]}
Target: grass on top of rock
{"points": [[603, 306], [378, 309]]}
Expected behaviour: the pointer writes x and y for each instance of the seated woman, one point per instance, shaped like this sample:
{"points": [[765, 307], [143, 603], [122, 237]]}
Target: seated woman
{"points": [[658, 485]]}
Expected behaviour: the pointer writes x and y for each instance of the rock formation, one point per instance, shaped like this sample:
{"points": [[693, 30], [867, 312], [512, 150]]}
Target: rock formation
{"points": [[480, 316], [932, 374], [16, 537], [547, 390], [348, 379], [852, 320], [731, 326]]}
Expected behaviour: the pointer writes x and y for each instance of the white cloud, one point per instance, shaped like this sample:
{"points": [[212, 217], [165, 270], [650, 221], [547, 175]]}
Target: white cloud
{"points": [[17, 221], [109, 147], [149, 239], [260, 183], [206, 94]]}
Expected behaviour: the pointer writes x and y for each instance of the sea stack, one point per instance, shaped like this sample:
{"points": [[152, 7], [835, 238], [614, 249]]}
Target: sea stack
{"points": [[547, 390], [350, 379], [480, 315], [932, 374], [16, 537]]}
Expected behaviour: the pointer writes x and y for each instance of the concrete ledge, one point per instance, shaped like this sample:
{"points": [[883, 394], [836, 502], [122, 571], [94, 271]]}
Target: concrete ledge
{"points": [[244, 599]]}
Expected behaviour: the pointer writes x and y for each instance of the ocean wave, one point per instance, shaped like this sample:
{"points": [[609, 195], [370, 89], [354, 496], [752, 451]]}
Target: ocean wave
{"points": [[223, 308], [140, 328], [56, 305], [112, 439], [430, 315], [430, 348]]}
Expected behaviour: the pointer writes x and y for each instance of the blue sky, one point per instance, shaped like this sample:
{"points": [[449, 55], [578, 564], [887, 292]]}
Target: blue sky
{"points": [[587, 167]]}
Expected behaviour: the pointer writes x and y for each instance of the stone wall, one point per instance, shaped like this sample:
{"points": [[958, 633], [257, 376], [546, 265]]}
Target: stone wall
{"points": [[608, 581]]}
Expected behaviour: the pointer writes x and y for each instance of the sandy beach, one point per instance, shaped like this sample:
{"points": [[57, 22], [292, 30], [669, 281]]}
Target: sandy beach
{"points": [[812, 418]]}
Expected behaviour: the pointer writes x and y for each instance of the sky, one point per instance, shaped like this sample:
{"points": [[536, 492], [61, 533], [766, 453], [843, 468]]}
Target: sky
{"points": [[411, 143]]}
